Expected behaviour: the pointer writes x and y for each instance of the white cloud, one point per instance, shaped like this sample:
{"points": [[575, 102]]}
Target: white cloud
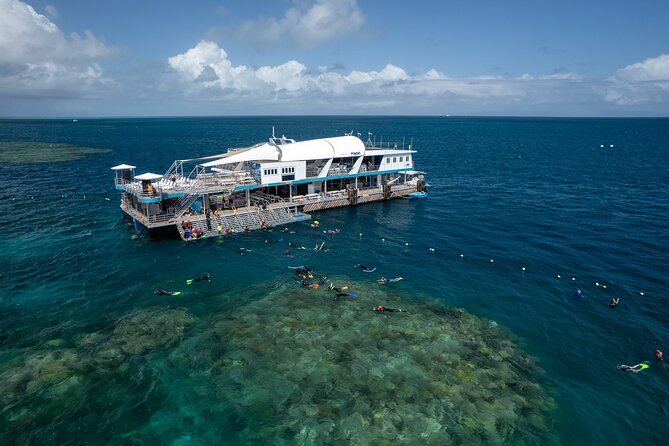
{"points": [[640, 83], [207, 70], [652, 69], [208, 73], [52, 11], [390, 73], [289, 76], [306, 25], [434, 75], [37, 58], [562, 76]]}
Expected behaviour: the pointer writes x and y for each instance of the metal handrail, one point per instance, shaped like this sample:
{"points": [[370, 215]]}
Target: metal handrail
{"points": [[136, 188], [137, 215]]}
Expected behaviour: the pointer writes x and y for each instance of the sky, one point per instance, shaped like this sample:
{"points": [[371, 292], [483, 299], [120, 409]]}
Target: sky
{"points": [[102, 58]]}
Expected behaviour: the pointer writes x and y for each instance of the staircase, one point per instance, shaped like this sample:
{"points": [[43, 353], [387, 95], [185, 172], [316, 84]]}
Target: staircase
{"points": [[182, 204]]}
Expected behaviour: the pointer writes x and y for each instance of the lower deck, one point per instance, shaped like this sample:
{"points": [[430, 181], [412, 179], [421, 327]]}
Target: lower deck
{"points": [[213, 215]]}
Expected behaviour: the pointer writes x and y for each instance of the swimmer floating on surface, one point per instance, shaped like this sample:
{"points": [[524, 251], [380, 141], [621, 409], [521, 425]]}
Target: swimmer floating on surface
{"points": [[382, 308], [344, 294], [331, 287], [199, 279], [166, 293], [633, 368], [384, 280], [365, 268], [614, 302]]}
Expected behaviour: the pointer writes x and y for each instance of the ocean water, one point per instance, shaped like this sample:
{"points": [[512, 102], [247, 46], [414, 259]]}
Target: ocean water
{"points": [[494, 348]]}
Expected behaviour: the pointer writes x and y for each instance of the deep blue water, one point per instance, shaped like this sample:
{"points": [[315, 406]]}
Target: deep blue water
{"points": [[539, 194]]}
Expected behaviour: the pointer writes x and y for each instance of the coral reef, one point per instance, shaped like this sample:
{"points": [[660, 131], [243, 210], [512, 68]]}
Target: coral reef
{"points": [[289, 366], [28, 152], [297, 367], [43, 387]]}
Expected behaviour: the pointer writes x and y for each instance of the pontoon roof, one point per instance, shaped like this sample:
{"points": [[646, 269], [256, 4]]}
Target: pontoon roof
{"points": [[380, 152], [123, 167], [337, 147], [148, 176]]}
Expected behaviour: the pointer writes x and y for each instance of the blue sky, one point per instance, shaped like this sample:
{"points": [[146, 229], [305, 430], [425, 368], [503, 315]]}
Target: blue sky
{"points": [[154, 58]]}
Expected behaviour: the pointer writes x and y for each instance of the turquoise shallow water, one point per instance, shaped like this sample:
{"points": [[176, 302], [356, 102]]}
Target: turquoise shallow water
{"points": [[539, 194]]}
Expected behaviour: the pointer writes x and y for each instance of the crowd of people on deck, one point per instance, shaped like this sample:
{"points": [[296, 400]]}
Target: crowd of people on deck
{"points": [[190, 231], [216, 212]]}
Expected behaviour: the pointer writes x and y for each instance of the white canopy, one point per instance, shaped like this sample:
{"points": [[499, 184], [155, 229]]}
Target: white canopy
{"points": [[381, 152], [148, 176], [326, 148], [123, 167], [261, 152]]}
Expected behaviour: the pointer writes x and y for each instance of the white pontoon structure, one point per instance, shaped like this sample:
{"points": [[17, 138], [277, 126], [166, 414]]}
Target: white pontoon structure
{"points": [[272, 183]]}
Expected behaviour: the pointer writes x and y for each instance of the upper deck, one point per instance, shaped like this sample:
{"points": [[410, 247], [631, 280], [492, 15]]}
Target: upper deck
{"points": [[279, 162]]}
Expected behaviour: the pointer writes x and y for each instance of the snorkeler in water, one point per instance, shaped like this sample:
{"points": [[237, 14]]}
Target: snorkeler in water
{"points": [[166, 293], [659, 355], [385, 280], [303, 272], [339, 295], [331, 287], [382, 308], [614, 302], [365, 268], [633, 368], [199, 279]]}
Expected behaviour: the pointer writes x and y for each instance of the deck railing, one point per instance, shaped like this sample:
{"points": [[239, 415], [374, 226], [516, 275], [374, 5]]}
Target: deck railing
{"points": [[147, 220], [136, 188]]}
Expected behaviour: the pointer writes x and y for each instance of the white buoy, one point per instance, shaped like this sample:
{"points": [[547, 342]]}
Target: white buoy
{"points": [[611, 146], [383, 240], [361, 234], [573, 278], [641, 293], [601, 146], [491, 260], [558, 276], [603, 286], [431, 249], [462, 255], [406, 244], [523, 268], [596, 283]]}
